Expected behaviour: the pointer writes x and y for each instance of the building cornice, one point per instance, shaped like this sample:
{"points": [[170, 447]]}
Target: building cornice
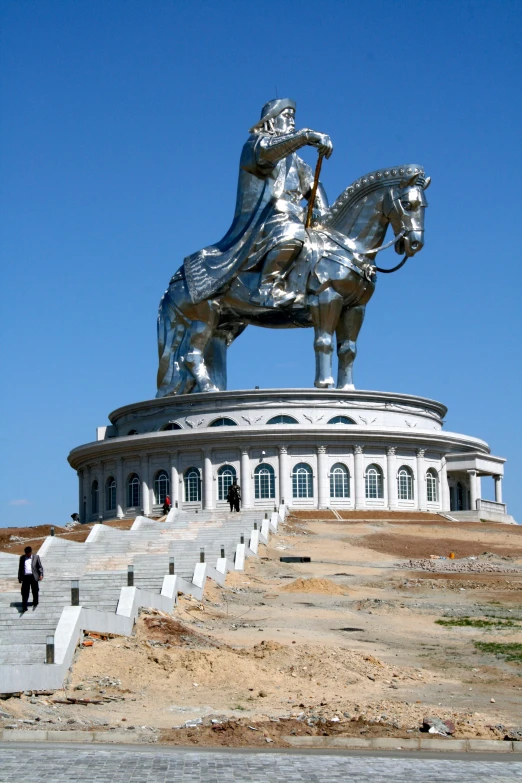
{"points": [[258, 437]]}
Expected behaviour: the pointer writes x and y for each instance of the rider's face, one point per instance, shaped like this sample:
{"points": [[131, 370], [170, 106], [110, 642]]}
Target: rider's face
{"points": [[285, 122]]}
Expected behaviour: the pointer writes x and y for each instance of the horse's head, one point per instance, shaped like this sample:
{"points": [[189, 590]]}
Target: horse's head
{"points": [[404, 206]]}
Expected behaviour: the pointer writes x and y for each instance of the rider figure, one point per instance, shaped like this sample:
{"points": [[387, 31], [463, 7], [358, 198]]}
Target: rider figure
{"points": [[275, 156], [268, 227]]}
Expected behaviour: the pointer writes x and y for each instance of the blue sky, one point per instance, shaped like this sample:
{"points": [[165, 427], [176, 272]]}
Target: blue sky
{"points": [[122, 125]]}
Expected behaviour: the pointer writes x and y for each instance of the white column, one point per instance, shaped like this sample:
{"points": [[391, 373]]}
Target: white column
{"points": [[391, 470], [208, 484], [473, 489], [421, 481], [444, 498], [350, 466], [174, 480], [323, 488], [120, 489], [245, 481], [498, 488], [284, 494], [145, 482], [358, 470]]}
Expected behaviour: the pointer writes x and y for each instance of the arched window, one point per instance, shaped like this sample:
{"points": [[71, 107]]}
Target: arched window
{"points": [[226, 476], [161, 487], [339, 481], [282, 419], [460, 497], [431, 485], [95, 505], [110, 494], [223, 421], [341, 420], [172, 425], [302, 481], [133, 491], [264, 482], [192, 482], [373, 482], [405, 483], [132, 432]]}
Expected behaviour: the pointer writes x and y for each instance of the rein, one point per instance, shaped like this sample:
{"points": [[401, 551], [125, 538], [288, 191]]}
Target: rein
{"points": [[383, 247], [388, 244], [393, 269], [374, 267]]}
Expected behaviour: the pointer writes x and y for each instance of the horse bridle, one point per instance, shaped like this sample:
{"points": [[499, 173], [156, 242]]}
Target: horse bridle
{"points": [[384, 247]]}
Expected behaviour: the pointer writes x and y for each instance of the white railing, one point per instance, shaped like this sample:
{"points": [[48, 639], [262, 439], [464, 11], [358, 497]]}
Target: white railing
{"points": [[491, 505]]}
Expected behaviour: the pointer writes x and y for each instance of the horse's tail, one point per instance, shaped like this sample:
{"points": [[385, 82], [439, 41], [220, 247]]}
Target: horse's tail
{"points": [[172, 328]]}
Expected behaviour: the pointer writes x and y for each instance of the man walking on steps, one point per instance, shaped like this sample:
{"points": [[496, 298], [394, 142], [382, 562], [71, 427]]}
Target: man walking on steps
{"points": [[234, 495], [30, 572]]}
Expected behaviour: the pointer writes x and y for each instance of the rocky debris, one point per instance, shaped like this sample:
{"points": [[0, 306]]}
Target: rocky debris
{"points": [[435, 725], [512, 733], [465, 565]]}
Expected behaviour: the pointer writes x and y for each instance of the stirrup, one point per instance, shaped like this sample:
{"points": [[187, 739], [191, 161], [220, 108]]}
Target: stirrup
{"points": [[284, 299]]}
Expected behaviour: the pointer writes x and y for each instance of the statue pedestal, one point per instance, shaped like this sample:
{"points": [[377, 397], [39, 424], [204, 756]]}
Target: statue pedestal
{"points": [[308, 448]]}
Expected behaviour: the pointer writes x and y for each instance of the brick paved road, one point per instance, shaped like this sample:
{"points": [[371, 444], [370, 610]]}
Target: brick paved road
{"points": [[111, 765]]}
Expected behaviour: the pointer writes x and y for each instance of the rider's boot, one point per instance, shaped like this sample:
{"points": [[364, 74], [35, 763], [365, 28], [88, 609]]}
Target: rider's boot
{"points": [[272, 291], [272, 294]]}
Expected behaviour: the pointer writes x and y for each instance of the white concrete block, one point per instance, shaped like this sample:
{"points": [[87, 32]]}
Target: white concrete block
{"points": [[254, 541], [169, 588], [239, 564], [265, 531], [200, 575], [93, 535], [67, 632], [127, 601], [45, 546]]}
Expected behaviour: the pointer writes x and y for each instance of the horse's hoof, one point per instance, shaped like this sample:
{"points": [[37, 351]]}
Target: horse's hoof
{"points": [[209, 388], [347, 387], [326, 384]]}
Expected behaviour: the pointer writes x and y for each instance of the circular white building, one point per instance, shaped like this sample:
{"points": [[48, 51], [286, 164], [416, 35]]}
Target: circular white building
{"points": [[304, 448]]}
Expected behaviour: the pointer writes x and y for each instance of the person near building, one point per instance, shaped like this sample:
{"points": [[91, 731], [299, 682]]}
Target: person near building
{"points": [[30, 573], [167, 505], [234, 495]]}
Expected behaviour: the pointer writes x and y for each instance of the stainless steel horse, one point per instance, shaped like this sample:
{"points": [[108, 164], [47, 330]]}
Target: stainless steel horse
{"points": [[333, 278]]}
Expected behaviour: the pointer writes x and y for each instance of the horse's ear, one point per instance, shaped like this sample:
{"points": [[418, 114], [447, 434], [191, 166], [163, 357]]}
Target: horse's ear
{"points": [[410, 181], [427, 183]]}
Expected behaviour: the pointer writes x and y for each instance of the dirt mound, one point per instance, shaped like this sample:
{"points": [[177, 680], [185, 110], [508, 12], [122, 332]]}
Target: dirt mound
{"points": [[395, 516], [164, 631], [401, 545], [313, 586]]}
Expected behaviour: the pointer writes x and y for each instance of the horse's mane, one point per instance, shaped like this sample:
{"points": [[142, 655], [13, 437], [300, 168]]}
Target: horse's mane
{"points": [[364, 186]]}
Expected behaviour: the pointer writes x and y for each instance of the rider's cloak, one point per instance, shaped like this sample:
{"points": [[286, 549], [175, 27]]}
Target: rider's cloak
{"points": [[268, 213]]}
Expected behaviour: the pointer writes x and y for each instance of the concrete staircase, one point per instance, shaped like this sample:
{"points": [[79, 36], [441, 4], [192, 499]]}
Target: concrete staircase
{"points": [[101, 565]]}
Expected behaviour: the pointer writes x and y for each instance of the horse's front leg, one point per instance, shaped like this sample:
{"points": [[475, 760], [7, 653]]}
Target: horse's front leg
{"points": [[348, 328], [325, 309]]}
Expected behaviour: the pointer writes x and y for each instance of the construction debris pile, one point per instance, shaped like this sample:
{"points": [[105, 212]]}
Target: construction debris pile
{"points": [[473, 565]]}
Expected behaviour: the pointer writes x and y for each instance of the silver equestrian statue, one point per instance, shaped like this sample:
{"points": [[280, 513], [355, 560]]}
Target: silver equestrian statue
{"points": [[275, 269]]}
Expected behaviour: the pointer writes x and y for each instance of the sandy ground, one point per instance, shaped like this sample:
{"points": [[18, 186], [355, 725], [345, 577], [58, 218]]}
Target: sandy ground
{"points": [[346, 644]]}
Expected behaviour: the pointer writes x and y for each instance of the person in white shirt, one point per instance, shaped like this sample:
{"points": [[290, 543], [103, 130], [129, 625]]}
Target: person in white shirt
{"points": [[30, 573]]}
